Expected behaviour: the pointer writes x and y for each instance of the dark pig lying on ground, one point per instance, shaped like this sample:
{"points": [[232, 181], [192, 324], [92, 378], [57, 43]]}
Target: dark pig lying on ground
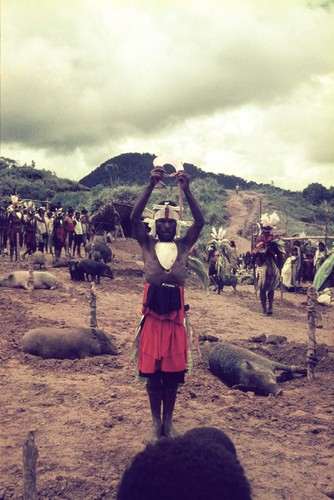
{"points": [[21, 279], [94, 269], [101, 247], [67, 343], [59, 262], [245, 370]]}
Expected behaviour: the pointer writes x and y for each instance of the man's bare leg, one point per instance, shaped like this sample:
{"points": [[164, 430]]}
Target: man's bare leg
{"points": [[169, 394], [154, 391], [271, 294], [263, 298]]}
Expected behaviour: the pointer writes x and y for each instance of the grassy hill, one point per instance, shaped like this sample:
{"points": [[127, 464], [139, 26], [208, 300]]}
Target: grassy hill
{"points": [[32, 183], [122, 178], [310, 211], [134, 168]]}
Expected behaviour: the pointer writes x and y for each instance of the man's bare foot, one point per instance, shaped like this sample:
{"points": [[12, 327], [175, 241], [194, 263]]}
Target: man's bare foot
{"points": [[169, 431], [153, 434]]}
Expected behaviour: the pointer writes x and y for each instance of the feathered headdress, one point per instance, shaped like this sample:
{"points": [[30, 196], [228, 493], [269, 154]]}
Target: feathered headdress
{"points": [[15, 205], [29, 205], [269, 221], [15, 199], [218, 240]]}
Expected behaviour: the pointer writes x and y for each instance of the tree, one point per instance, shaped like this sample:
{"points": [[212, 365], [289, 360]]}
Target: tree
{"points": [[112, 169], [315, 193]]}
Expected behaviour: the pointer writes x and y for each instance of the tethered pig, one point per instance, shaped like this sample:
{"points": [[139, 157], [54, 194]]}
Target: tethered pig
{"points": [[220, 282], [94, 269], [38, 259], [245, 370], [99, 246], [21, 279], [76, 273], [67, 343]]}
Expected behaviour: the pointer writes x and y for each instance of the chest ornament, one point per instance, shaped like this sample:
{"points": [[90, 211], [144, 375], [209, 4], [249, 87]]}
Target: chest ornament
{"points": [[166, 253]]}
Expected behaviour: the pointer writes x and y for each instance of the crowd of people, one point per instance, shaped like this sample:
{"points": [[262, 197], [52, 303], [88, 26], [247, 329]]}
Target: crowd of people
{"points": [[27, 228]]}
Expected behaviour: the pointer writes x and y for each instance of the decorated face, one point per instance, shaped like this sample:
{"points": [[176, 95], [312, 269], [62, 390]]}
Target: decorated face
{"points": [[216, 254], [166, 229]]}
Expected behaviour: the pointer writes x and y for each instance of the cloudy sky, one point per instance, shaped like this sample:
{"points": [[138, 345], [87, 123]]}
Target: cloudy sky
{"points": [[237, 87]]}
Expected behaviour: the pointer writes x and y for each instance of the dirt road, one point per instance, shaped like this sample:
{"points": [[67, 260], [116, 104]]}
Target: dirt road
{"points": [[89, 416], [244, 210]]}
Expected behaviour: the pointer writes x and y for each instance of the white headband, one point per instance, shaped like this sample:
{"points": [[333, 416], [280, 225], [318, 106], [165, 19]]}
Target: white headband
{"points": [[166, 211]]}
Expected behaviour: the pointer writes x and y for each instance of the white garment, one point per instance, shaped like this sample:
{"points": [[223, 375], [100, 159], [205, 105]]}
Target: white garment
{"points": [[78, 227], [286, 273]]}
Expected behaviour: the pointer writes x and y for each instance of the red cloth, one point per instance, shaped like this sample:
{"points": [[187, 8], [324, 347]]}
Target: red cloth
{"points": [[163, 340]]}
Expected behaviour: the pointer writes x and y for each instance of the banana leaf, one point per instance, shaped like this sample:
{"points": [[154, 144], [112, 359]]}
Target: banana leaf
{"points": [[199, 269], [323, 273]]}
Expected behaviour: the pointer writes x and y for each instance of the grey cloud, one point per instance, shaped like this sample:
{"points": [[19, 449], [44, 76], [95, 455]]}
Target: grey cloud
{"points": [[82, 78]]}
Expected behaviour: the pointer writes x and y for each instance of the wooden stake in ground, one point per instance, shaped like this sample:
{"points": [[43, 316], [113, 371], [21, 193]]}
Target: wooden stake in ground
{"points": [[312, 344], [30, 454], [31, 273], [92, 303]]}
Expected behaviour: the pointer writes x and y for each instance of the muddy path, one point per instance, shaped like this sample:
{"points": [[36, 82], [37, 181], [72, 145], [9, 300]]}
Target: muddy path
{"points": [[244, 210]]}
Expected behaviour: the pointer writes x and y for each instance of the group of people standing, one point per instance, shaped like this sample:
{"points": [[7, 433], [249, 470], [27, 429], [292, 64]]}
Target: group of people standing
{"points": [[51, 230], [302, 264]]}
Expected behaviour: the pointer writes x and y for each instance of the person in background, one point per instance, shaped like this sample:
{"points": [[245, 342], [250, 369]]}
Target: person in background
{"points": [[49, 220], [59, 233], [268, 256], [85, 226], [15, 227], [233, 257], [320, 255], [248, 260], [69, 228], [29, 233], [3, 229], [41, 230], [215, 278], [78, 234]]}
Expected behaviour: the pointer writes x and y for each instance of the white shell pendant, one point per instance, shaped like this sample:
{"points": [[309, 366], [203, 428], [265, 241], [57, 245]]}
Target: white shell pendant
{"points": [[166, 253]]}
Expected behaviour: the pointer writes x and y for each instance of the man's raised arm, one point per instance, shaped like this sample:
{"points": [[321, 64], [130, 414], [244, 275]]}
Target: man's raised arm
{"points": [[137, 211], [195, 229]]}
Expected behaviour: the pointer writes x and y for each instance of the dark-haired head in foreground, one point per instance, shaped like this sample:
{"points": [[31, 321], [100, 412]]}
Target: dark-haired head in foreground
{"points": [[200, 465]]}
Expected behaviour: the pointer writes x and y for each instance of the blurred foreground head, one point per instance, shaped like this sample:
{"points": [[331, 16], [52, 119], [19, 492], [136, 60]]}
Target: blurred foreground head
{"points": [[200, 465]]}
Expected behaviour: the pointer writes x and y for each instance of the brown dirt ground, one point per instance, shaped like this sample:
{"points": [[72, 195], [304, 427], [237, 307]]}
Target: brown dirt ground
{"points": [[90, 415]]}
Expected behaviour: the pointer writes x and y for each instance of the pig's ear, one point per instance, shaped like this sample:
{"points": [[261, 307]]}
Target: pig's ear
{"points": [[249, 367]]}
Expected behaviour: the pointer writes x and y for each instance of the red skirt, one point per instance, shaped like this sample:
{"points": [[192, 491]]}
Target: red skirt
{"points": [[163, 340]]}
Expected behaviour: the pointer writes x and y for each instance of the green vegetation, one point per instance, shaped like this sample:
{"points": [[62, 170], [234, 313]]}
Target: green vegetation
{"points": [[122, 178], [31, 183]]}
